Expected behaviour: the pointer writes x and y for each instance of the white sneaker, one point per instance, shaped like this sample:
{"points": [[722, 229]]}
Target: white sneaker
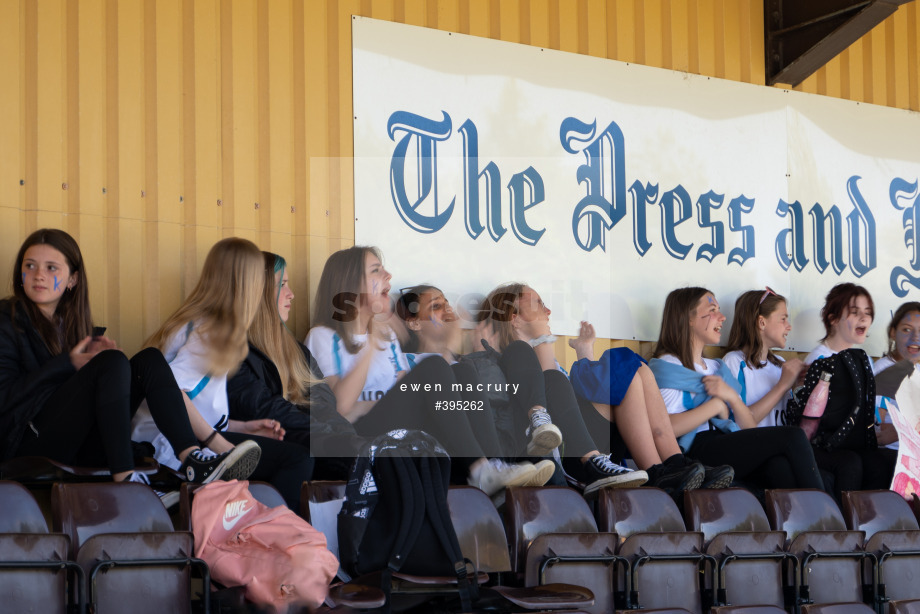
{"points": [[544, 435], [494, 475], [169, 498], [543, 471]]}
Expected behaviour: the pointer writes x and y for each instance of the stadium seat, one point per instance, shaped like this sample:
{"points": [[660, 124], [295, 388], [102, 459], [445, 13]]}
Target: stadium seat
{"points": [[553, 538], [124, 540], [830, 556], [747, 609], [893, 536], [665, 559], [737, 533], [33, 563]]}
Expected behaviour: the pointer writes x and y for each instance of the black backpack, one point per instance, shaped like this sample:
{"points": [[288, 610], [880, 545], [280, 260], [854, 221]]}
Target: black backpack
{"points": [[850, 402], [395, 515]]}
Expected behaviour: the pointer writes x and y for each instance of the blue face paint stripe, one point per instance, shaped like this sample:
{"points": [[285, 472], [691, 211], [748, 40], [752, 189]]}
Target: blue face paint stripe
{"points": [[336, 353], [57, 283]]}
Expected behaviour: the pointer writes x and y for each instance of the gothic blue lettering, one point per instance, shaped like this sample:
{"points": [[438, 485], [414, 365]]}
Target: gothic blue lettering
{"points": [[604, 176], [819, 221], [736, 207], [425, 133], [860, 223], [642, 196], [790, 242], [472, 179], [904, 196], [527, 181], [704, 205], [676, 208]]}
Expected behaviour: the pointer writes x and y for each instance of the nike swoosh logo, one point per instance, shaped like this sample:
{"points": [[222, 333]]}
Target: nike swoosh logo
{"points": [[229, 524]]}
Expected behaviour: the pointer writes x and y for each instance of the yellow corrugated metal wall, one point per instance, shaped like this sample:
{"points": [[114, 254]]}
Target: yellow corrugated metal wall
{"points": [[151, 128]]}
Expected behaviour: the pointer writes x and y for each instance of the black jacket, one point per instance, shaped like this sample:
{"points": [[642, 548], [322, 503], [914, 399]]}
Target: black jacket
{"points": [[255, 392], [29, 375]]}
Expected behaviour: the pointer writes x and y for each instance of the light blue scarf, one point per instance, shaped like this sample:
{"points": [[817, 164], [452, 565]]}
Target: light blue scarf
{"points": [[690, 382]]}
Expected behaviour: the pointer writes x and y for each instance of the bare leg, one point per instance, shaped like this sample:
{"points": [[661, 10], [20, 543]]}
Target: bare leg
{"points": [[202, 431], [662, 431], [632, 420]]}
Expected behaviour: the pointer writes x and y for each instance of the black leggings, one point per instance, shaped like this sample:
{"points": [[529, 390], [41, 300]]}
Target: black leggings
{"points": [[549, 389], [285, 465], [867, 469], [419, 409], [769, 456], [87, 421]]}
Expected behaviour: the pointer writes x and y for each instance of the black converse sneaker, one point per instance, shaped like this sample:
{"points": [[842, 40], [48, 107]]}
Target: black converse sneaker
{"points": [[601, 472], [202, 467], [544, 435], [168, 498]]}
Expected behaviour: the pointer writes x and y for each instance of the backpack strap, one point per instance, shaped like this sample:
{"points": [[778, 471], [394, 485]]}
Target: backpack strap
{"points": [[439, 516], [410, 524]]}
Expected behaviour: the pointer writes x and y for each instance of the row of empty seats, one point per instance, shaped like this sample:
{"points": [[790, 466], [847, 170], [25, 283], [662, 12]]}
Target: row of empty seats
{"points": [[113, 544], [636, 550]]}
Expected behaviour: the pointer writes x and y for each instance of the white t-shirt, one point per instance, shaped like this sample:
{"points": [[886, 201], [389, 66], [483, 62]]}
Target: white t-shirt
{"points": [[674, 399], [757, 383], [328, 349], [187, 358], [882, 402], [822, 351]]}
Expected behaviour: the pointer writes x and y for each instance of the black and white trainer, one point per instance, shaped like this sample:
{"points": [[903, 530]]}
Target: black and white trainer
{"points": [[202, 467]]}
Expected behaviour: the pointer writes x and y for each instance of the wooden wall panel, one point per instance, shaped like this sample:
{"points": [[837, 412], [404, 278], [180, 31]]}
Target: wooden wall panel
{"points": [[152, 128]]}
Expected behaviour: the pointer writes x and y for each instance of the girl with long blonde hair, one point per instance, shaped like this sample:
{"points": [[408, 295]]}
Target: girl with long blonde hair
{"points": [[205, 341], [280, 381]]}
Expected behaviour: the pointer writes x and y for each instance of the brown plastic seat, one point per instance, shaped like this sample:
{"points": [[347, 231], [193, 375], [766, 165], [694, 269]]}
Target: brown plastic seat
{"points": [[893, 536], [837, 608], [665, 559], [910, 606], [747, 609], [482, 539], [830, 556], [123, 539], [737, 533], [553, 538], [33, 562]]}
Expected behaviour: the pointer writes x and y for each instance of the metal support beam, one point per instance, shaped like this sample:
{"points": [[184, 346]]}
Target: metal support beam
{"points": [[801, 36]]}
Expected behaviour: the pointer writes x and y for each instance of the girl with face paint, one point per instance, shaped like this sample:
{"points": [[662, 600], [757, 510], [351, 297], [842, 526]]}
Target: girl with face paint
{"points": [[712, 422], [903, 344], [69, 395]]}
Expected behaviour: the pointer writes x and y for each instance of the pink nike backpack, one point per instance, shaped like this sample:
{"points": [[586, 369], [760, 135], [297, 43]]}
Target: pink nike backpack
{"points": [[275, 554]]}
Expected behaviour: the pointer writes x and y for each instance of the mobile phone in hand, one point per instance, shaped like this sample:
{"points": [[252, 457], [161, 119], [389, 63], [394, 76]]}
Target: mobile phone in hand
{"points": [[98, 331]]}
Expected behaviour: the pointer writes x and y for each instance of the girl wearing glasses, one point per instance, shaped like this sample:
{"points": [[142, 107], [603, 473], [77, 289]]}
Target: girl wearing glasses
{"points": [[370, 376], [762, 323]]}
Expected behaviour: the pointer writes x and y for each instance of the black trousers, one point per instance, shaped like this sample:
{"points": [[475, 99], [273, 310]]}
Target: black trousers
{"points": [[866, 469], [770, 456], [549, 389], [422, 409], [87, 421]]}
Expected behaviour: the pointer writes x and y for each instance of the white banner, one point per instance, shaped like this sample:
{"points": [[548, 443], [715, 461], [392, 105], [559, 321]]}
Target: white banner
{"points": [[605, 185]]}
